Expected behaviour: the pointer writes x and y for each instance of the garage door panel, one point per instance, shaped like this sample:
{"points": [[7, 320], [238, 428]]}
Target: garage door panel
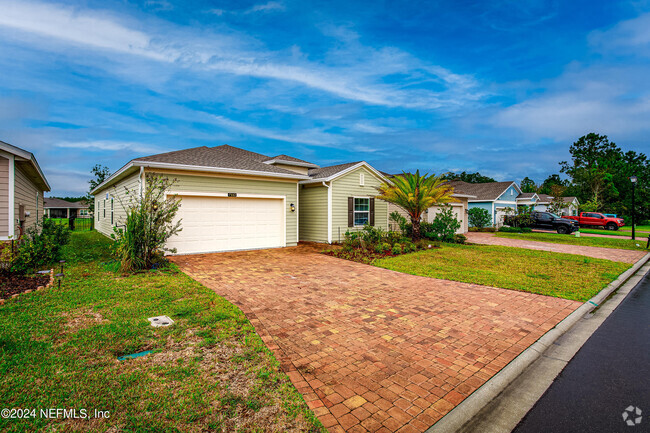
{"points": [[226, 224]]}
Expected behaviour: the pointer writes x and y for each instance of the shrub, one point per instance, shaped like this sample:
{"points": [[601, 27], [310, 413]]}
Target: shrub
{"points": [[382, 248], [478, 217], [40, 246], [460, 239], [148, 226], [526, 230], [444, 226], [396, 250], [521, 220], [372, 235], [409, 247]]}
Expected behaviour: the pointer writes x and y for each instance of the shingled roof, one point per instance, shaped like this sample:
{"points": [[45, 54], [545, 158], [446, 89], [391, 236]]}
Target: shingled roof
{"points": [[220, 156], [51, 202], [327, 172], [483, 191], [526, 195], [290, 159]]}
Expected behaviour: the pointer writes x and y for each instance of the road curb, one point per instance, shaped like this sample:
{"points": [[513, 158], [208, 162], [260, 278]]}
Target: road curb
{"points": [[469, 407]]}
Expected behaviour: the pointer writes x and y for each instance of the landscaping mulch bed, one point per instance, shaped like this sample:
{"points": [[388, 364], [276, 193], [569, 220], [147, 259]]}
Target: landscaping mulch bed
{"points": [[15, 284], [365, 255]]}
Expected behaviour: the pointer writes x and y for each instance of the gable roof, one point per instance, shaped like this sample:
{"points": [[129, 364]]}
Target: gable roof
{"points": [[545, 198], [327, 174], [489, 191], [527, 195], [51, 202], [220, 159], [27, 161], [570, 199]]}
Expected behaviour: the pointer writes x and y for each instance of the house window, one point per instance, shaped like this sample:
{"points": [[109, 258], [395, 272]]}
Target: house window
{"points": [[104, 208], [111, 211], [362, 179], [361, 211], [83, 212], [512, 192]]}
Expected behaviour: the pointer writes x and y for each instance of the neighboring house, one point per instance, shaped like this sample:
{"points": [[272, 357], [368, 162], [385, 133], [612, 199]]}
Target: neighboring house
{"points": [[571, 205], [460, 208], [544, 202], [22, 185], [529, 199], [495, 197], [58, 208], [233, 199]]}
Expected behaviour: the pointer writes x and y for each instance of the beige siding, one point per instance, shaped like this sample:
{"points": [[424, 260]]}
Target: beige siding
{"points": [[120, 193], [313, 213], [28, 194], [348, 185], [4, 196]]}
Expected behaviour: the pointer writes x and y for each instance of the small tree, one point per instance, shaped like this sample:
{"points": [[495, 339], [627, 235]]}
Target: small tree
{"points": [[148, 226], [478, 217], [415, 194], [445, 224], [100, 173], [557, 204]]}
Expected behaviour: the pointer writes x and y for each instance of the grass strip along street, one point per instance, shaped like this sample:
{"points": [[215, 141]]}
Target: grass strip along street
{"points": [[624, 244], [208, 371], [561, 275]]}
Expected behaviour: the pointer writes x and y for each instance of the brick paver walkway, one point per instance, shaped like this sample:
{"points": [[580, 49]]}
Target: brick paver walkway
{"points": [[372, 349], [616, 255]]}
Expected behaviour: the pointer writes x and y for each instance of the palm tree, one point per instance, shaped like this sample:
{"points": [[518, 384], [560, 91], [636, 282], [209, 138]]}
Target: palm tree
{"points": [[415, 194]]}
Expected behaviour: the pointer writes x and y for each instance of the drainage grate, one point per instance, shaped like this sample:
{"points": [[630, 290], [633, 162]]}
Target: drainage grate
{"points": [[160, 321]]}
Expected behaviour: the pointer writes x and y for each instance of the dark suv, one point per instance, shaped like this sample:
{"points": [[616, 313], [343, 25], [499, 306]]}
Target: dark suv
{"points": [[550, 221]]}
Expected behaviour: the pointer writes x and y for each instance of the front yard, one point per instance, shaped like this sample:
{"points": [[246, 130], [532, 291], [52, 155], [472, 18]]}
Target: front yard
{"points": [[209, 371], [590, 241], [562, 275]]}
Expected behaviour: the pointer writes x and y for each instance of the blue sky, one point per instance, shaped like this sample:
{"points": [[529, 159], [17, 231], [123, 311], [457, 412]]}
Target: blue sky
{"points": [[502, 87]]}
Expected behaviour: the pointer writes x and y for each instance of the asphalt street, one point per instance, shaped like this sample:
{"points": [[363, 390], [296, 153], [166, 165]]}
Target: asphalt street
{"points": [[610, 373]]}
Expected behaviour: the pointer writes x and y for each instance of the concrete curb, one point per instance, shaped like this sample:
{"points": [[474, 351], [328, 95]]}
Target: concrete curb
{"points": [[469, 407]]}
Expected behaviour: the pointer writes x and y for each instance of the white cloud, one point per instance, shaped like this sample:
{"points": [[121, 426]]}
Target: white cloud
{"points": [[370, 128], [107, 145], [266, 7], [314, 137], [630, 36], [356, 75]]}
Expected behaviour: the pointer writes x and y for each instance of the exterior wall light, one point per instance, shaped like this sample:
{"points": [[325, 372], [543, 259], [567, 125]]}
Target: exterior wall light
{"points": [[292, 207]]}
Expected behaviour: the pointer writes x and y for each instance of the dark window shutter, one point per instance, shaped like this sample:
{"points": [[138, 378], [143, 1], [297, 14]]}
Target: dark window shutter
{"points": [[350, 211], [372, 211]]}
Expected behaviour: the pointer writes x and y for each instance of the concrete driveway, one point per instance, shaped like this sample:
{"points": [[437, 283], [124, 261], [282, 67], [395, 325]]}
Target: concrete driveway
{"points": [[372, 349]]}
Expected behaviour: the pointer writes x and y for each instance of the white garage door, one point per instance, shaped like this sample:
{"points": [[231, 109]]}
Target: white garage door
{"points": [[457, 211], [225, 224]]}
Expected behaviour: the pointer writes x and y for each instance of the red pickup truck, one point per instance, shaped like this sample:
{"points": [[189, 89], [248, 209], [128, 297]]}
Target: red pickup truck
{"points": [[597, 219]]}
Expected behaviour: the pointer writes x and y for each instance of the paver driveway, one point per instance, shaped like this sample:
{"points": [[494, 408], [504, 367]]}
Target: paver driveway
{"points": [[616, 255], [372, 349]]}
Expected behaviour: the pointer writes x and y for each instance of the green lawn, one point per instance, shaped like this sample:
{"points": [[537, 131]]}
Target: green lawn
{"points": [[81, 224], [638, 228], [588, 241], [208, 372], [607, 232], [560, 275]]}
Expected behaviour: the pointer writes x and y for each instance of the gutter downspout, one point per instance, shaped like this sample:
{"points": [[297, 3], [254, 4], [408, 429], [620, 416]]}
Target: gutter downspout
{"points": [[329, 211]]}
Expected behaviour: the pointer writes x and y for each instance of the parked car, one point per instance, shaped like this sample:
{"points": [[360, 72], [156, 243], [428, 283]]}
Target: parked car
{"points": [[593, 219], [613, 215], [550, 221]]}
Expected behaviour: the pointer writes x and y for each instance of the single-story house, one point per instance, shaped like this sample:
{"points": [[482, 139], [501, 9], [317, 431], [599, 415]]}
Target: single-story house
{"points": [[58, 208], [544, 202], [22, 185], [529, 199], [495, 197], [459, 207], [234, 199], [571, 205]]}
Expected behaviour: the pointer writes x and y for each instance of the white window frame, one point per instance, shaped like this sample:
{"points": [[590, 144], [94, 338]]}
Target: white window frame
{"points": [[362, 179], [355, 211], [112, 212]]}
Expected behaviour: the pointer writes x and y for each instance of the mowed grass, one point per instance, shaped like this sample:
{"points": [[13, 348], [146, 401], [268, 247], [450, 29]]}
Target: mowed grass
{"points": [[620, 233], [587, 241], [637, 228], [561, 275], [208, 372]]}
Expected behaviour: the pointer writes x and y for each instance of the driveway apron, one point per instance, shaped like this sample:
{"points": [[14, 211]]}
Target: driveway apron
{"points": [[372, 349]]}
